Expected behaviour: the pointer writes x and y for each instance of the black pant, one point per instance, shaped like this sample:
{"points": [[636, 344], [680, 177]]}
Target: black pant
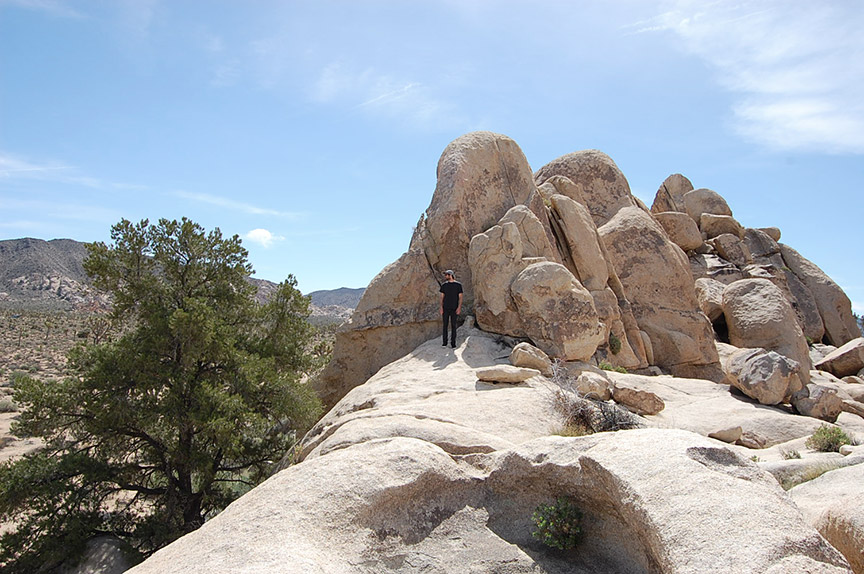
{"points": [[449, 315]]}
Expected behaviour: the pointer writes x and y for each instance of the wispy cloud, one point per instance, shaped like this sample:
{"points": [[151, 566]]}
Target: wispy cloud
{"points": [[383, 94], [235, 205], [58, 210], [16, 168], [797, 69], [263, 237], [50, 7]]}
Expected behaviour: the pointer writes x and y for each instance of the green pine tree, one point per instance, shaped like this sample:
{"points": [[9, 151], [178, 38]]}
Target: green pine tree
{"points": [[163, 427]]}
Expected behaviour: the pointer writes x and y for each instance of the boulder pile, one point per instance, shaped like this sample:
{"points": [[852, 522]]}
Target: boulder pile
{"points": [[569, 260], [715, 352]]}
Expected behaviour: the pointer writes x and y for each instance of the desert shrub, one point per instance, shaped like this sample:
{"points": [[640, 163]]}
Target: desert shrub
{"points": [[614, 343], [828, 439], [7, 405], [606, 366], [790, 454], [558, 524], [583, 415]]}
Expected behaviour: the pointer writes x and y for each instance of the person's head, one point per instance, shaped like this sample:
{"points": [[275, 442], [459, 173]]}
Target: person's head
{"points": [[449, 275]]}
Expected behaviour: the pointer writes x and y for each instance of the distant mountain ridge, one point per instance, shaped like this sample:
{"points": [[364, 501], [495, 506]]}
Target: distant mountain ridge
{"points": [[49, 275]]}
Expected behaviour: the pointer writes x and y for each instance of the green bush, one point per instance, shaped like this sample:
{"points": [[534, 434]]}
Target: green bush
{"points": [[558, 523], [614, 343], [790, 454], [610, 367], [828, 439]]}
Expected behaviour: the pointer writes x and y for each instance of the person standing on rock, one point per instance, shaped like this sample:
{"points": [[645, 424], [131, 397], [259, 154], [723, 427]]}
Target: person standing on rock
{"points": [[451, 305]]}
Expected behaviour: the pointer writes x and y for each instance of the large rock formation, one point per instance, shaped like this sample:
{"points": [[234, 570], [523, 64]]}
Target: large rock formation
{"points": [[491, 220], [424, 468]]}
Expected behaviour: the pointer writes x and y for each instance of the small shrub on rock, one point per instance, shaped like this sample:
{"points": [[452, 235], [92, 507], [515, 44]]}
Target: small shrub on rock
{"points": [[558, 524], [614, 343], [610, 367], [828, 439]]}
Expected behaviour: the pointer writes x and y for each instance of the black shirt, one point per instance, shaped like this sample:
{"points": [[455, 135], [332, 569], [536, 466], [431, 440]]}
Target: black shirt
{"points": [[451, 290]]}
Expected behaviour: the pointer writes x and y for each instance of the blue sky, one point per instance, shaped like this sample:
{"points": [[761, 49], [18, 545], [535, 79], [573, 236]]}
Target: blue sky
{"points": [[313, 129]]}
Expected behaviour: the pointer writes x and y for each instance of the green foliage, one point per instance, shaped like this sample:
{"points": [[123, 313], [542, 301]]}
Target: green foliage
{"points": [[859, 320], [614, 343], [610, 367], [790, 454], [558, 523], [163, 426], [827, 438]]}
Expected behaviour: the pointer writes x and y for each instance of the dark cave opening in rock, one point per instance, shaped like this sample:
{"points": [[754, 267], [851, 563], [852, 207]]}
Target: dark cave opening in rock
{"points": [[721, 329]]}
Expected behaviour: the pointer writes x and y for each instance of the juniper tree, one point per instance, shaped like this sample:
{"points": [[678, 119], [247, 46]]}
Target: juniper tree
{"points": [[161, 428]]}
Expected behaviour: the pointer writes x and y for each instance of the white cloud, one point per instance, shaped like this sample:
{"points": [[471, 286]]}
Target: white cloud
{"points": [[797, 68], [263, 237], [52, 7], [236, 205], [382, 95], [16, 168]]}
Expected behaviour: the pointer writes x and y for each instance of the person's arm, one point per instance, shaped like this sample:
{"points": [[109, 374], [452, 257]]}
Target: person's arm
{"points": [[459, 306], [441, 309]]}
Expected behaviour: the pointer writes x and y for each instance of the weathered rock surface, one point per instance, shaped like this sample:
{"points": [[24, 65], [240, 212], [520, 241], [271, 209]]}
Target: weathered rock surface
{"points": [[714, 225], [557, 312], [481, 175], [759, 316], [834, 306], [601, 185], [527, 355], [663, 303], [818, 401], [709, 293], [495, 257], [766, 376], [670, 195], [398, 311], [732, 249], [582, 242], [425, 468], [637, 400], [681, 228], [845, 361], [505, 374], [834, 504], [704, 200]]}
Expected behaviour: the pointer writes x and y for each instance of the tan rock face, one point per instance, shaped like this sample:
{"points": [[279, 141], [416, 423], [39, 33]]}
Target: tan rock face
{"points": [[657, 280], [758, 315], [505, 374], [670, 195], [703, 200], [818, 402], [495, 259], [582, 242], [709, 293], [527, 355], [637, 400], [481, 175], [535, 240], [732, 249], [681, 228], [398, 311], [845, 361], [834, 505], [834, 306], [766, 376], [557, 312], [596, 177], [714, 225]]}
